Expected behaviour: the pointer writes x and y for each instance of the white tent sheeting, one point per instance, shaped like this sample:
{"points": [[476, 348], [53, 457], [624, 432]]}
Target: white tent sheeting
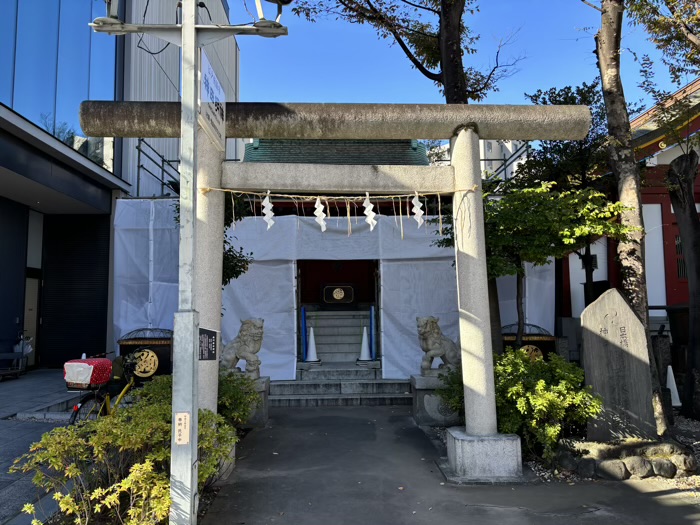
{"points": [[416, 279]]}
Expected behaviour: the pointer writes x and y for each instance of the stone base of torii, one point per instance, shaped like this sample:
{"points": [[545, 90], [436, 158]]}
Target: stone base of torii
{"points": [[476, 452]]}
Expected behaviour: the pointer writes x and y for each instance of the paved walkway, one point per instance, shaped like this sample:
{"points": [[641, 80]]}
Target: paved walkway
{"points": [[373, 466], [34, 390]]}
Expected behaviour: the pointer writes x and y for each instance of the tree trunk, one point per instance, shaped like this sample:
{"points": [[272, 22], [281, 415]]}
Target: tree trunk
{"points": [[624, 166], [519, 293], [454, 82], [681, 188], [495, 315]]}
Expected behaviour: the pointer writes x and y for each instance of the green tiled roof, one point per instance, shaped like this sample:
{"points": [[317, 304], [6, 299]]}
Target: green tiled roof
{"points": [[364, 152]]}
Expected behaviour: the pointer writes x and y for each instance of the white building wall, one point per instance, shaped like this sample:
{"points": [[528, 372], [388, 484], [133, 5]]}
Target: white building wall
{"points": [[577, 275], [497, 153], [156, 77], [653, 260], [654, 257], [538, 303]]}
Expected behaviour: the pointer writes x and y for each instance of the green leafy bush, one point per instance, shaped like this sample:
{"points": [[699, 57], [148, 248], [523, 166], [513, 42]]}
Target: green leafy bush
{"points": [[539, 400], [116, 469], [237, 397], [452, 390], [236, 402]]}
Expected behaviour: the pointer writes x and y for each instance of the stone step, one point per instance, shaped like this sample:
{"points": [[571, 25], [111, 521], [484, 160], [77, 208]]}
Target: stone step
{"points": [[326, 373], [332, 313], [337, 357], [339, 330], [339, 347], [59, 409], [330, 322], [323, 338], [378, 386], [340, 400]]}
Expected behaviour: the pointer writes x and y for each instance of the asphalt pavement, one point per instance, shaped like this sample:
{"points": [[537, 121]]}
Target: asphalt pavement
{"points": [[34, 391], [353, 465], [374, 466]]}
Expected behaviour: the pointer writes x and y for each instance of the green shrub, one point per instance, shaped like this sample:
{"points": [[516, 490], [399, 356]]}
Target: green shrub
{"points": [[116, 469], [237, 397], [539, 400], [236, 402], [452, 390]]}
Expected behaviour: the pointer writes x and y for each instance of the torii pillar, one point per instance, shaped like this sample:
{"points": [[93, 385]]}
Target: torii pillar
{"points": [[476, 452]]}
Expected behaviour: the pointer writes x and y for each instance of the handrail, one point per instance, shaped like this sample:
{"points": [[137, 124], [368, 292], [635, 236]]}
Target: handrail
{"points": [[303, 333], [167, 167], [372, 349], [507, 161]]}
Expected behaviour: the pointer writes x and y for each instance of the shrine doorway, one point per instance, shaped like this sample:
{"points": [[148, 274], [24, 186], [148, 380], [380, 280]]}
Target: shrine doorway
{"points": [[339, 300]]}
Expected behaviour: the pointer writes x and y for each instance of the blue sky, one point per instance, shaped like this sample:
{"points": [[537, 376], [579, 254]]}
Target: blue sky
{"points": [[332, 61]]}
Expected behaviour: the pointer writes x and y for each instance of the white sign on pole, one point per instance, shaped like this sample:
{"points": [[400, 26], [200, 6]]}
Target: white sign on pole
{"points": [[182, 428], [212, 105]]}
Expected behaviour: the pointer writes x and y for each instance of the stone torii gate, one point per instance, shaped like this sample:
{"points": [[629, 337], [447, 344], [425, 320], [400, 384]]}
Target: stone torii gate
{"points": [[477, 451]]}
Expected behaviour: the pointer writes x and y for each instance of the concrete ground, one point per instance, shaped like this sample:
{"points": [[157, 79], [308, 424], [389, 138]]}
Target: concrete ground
{"points": [[34, 390], [373, 466]]}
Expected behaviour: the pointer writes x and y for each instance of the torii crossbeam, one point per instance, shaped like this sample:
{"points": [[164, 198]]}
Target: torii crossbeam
{"points": [[476, 452]]}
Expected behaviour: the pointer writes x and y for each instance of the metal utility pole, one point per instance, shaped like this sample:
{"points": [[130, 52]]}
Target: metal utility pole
{"points": [[184, 442], [190, 36]]}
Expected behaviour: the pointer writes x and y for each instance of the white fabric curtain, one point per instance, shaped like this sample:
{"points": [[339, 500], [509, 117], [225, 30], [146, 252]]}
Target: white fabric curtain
{"points": [[145, 265], [298, 238], [417, 279], [410, 289], [265, 291]]}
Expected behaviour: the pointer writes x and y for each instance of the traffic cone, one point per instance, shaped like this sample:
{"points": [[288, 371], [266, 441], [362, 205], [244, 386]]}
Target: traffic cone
{"points": [[311, 356], [364, 350], [671, 385]]}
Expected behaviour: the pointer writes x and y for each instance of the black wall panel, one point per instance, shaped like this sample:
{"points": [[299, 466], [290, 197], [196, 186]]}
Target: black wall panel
{"points": [[13, 246], [74, 293]]}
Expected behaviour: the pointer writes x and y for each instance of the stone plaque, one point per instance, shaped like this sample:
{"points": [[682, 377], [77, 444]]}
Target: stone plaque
{"points": [[207, 345], [616, 361]]}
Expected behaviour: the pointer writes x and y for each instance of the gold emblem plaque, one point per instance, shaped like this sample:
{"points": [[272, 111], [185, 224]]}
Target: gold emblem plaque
{"points": [[146, 363]]}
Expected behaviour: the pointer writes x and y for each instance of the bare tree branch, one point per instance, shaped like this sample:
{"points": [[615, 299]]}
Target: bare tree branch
{"points": [[378, 17], [429, 9], [589, 4], [436, 77], [498, 65]]}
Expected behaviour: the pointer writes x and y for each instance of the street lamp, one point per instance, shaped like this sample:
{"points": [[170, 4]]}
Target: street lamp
{"points": [[263, 21], [206, 34], [190, 36]]}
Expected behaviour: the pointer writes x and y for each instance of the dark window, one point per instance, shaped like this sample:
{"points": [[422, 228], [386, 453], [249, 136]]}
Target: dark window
{"points": [[680, 260], [8, 25], [73, 67], [594, 261], [35, 67]]}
